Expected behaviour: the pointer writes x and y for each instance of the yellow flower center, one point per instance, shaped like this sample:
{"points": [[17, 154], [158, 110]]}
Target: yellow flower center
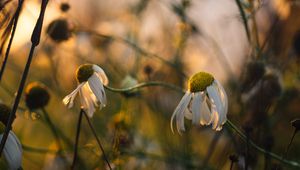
{"points": [[199, 81], [84, 72]]}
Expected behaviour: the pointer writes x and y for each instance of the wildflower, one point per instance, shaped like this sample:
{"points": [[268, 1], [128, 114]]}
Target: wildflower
{"points": [[13, 149], [59, 30], [91, 79], [36, 96], [205, 102]]}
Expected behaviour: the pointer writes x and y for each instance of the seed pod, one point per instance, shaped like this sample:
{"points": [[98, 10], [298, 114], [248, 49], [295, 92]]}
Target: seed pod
{"points": [[59, 30], [36, 96]]}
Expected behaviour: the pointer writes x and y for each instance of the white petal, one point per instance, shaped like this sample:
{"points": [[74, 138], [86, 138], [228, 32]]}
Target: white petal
{"points": [[13, 151], [224, 99], [206, 116], [215, 116], [69, 99], [196, 109], [180, 112], [87, 101], [188, 114], [99, 71], [97, 88]]}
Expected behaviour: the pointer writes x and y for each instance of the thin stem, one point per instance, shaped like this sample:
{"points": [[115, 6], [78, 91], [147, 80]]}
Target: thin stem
{"points": [[245, 21], [136, 48], [15, 18], [289, 145], [271, 154], [77, 139], [53, 128], [146, 84], [35, 39], [231, 165], [97, 139]]}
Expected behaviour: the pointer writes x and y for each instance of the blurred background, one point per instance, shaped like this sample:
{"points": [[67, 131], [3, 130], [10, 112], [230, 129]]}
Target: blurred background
{"points": [[251, 47]]}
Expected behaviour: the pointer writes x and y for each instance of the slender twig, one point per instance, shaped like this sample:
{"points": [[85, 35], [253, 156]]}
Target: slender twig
{"points": [[289, 145], [15, 18], [77, 139], [135, 47], [146, 84], [97, 139], [35, 39], [245, 21]]}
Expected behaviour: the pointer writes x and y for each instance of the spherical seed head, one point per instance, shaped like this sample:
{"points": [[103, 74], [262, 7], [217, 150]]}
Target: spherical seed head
{"points": [[4, 113], [2, 128], [84, 72], [199, 81], [64, 7], [36, 96], [59, 30], [296, 124]]}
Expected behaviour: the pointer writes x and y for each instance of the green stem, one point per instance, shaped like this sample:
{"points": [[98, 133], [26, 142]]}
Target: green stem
{"points": [[245, 21], [271, 154]]}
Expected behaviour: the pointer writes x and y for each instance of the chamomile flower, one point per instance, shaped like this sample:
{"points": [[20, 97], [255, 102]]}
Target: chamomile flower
{"points": [[91, 79], [204, 103]]}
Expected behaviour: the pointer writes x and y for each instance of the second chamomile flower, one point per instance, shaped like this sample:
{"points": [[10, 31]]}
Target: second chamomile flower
{"points": [[204, 103], [91, 79]]}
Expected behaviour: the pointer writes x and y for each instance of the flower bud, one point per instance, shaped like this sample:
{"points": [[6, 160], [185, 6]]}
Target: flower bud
{"points": [[59, 30], [36, 96], [296, 124]]}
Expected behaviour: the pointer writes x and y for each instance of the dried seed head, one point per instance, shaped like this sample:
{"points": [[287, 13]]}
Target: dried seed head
{"points": [[296, 124], [84, 72], [64, 7], [199, 81], [233, 158], [4, 113], [59, 30], [36, 96]]}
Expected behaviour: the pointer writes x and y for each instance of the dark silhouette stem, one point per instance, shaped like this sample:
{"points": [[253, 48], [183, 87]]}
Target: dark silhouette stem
{"points": [[77, 139], [35, 39], [15, 18], [97, 139]]}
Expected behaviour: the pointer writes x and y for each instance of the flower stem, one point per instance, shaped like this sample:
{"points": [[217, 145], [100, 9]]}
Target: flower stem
{"points": [[77, 139], [97, 139], [289, 145], [53, 129], [15, 20], [35, 39], [245, 21]]}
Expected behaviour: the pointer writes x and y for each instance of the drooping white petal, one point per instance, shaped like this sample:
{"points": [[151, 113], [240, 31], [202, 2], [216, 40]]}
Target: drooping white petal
{"points": [[99, 71], [97, 88], [87, 100], [12, 151], [205, 116], [224, 100], [196, 107], [69, 99], [180, 112], [188, 114], [215, 116]]}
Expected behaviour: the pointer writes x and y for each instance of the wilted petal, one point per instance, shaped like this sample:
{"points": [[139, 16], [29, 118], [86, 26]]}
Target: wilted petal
{"points": [[97, 88], [180, 112], [205, 116], [196, 107], [87, 100], [99, 71], [224, 99], [69, 99]]}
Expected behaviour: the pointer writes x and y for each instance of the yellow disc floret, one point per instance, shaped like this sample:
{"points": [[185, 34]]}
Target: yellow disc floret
{"points": [[199, 81], [84, 72]]}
